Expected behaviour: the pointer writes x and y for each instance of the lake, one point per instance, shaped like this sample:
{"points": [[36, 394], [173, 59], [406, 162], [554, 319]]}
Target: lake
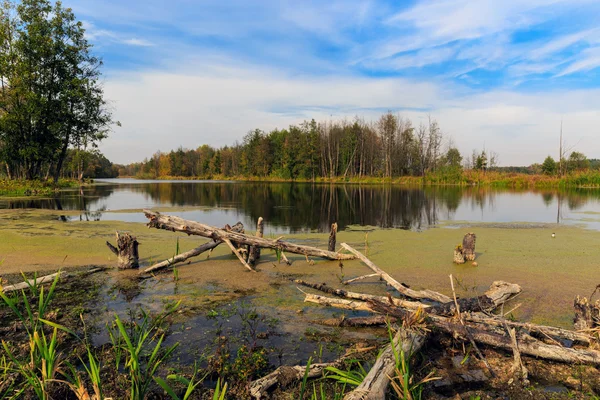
{"points": [[306, 207]]}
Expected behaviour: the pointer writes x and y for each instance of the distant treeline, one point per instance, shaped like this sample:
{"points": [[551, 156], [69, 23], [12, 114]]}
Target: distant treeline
{"points": [[390, 147]]}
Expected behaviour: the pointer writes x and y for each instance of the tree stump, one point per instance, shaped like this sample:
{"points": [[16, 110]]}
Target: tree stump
{"points": [[459, 257], [468, 246], [466, 251], [332, 237], [254, 251], [126, 251], [587, 314]]}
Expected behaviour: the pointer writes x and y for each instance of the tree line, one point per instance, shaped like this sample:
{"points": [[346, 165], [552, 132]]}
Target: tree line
{"points": [[389, 147], [51, 99]]}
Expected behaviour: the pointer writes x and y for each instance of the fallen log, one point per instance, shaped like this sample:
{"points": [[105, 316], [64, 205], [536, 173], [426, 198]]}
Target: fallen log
{"points": [[411, 305], [239, 227], [498, 293], [342, 322], [374, 386], [285, 375], [126, 251], [360, 278], [47, 279], [405, 291], [177, 224], [527, 344]]}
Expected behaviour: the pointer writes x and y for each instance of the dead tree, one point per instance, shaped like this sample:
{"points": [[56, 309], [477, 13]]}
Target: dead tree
{"points": [[177, 224], [254, 251], [126, 251], [332, 237]]}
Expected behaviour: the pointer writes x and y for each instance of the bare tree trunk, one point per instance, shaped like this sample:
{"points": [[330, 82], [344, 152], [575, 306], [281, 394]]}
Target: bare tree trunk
{"points": [[177, 224], [254, 251], [332, 237]]}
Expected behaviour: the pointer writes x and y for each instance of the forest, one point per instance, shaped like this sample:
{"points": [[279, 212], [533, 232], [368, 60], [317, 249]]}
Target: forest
{"points": [[388, 148]]}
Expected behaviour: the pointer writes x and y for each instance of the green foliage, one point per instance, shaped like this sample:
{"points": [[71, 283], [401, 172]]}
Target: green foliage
{"points": [[51, 97], [549, 166], [190, 384]]}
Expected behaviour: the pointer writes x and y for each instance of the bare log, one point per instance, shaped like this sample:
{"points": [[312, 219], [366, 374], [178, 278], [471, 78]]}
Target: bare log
{"points": [[47, 279], [177, 224], [239, 227], [375, 384], [411, 305], [237, 253], [538, 330], [126, 251], [254, 251], [405, 291], [332, 236], [498, 293], [360, 278], [376, 320], [527, 344], [285, 375]]}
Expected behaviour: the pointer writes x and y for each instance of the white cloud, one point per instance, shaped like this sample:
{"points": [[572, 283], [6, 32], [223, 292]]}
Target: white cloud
{"points": [[589, 59], [218, 104], [137, 42]]}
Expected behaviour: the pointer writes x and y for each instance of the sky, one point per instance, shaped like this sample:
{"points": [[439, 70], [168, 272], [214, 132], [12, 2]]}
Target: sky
{"points": [[499, 75]]}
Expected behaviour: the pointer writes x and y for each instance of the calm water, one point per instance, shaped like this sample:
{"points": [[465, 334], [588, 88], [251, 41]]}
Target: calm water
{"points": [[294, 207]]}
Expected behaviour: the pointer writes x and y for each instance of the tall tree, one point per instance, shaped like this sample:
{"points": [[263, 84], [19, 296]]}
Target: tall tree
{"points": [[51, 97]]}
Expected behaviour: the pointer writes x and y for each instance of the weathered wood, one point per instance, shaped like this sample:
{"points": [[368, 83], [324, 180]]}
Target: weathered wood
{"points": [[459, 257], [468, 246], [254, 251], [540, 331], [587, 314], [177, 224], [375, 384], [411, 305], [360, 278], [375, 320], [405, 291], [31, 282], [285, 375], [527, 344], [48, 279], [518, 367], [239, 227], [498, 293], [237, 253], [332, 236], [126, 251]]}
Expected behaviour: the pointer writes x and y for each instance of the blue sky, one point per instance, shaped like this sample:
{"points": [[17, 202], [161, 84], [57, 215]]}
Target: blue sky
{"points": [[499, 74]]}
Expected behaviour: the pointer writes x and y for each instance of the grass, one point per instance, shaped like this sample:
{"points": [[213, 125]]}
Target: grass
{"points": [[19, 188]]}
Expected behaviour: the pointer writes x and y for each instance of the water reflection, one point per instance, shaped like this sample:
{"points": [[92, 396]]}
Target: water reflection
{"points": [[300, 207]]}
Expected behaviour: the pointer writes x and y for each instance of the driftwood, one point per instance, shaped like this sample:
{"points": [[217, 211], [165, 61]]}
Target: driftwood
{"points": [[126, 251], [374, 386], [360, 278], [405, 291], [254, 251], [375, 320], [332, 237], [177, 224], [411, 305], [498, 293], [527, 344], [285, 375], [587, 314], [47, 279], [239, 227]]}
